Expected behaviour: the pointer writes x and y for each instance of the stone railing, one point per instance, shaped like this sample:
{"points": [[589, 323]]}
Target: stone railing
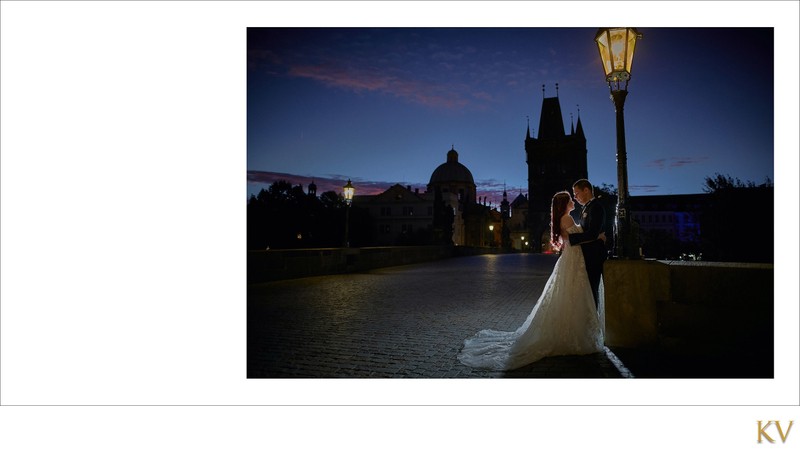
{"points": [[703, 307], [270, 265]]}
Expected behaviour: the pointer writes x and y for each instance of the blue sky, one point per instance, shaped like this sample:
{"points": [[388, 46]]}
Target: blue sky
{"points": [[384, 105]]}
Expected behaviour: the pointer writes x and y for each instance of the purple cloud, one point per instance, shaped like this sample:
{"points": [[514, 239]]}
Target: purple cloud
{"points": [[324, 183], [682, 161], [675, 162], [359, 80], [644, 188]]}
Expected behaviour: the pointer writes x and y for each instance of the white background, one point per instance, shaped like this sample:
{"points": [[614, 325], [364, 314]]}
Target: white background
{"points": [[123, 255]]}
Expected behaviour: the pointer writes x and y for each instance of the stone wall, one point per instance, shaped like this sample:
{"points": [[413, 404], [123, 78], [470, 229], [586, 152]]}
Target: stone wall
{"points": [[711, 308]]}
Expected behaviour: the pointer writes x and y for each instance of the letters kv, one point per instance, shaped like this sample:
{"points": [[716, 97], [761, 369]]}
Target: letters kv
{"points": [[763, 434]]}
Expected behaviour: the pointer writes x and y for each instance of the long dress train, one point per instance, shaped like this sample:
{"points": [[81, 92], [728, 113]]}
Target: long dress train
{"points": [[564, 321]]}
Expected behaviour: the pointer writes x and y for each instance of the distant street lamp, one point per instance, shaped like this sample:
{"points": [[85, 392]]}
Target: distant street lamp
{"points": [[616, 46], [491, 235], [349, 192]]}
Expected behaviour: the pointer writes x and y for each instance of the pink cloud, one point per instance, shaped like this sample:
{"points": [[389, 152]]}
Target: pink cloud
{"points": [[267, 178], [339, 77], [324, 184], [359, 80]]}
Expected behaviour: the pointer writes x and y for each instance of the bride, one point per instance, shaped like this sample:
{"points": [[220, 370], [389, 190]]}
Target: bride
{"points": [[564, 320]]}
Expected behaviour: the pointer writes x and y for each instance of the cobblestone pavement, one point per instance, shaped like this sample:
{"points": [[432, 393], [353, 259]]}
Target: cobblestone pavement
{"points": [[406, 321]]}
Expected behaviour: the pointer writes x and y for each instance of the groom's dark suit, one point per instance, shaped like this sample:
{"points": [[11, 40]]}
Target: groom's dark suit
{"points": [[593, 218]]}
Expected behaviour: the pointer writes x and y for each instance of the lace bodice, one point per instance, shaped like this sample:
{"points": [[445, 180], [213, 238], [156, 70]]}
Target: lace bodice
{"points": [[574, 229]]}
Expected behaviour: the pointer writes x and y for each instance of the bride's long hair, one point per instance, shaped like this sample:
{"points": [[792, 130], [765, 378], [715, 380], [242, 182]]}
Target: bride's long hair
{"points": [[558, 208]]}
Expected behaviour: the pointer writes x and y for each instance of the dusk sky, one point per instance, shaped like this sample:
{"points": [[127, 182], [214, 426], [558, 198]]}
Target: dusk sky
{"points": [[384, 105]]}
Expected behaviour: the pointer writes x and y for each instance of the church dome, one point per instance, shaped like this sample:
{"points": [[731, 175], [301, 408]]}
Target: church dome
{"points": [[452, 171]]}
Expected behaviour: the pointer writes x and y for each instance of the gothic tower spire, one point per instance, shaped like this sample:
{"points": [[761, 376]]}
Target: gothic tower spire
{"points": [[551, 122], [579, 128], [528, 135]]}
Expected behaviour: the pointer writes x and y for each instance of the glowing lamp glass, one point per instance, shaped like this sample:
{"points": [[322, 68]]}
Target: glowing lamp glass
{"points": [[349, 191], [616, 46]]}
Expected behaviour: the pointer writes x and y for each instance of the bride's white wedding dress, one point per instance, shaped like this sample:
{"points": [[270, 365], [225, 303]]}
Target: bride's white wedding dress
{"points": [[564, 321]]}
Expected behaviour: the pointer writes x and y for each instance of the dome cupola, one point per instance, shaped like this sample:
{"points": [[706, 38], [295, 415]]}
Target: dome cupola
{"points": [[452, 171], [454, 177]]}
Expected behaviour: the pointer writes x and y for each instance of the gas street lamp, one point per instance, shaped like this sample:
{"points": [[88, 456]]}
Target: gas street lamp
{"points": [[616, 46], [349, 192]]}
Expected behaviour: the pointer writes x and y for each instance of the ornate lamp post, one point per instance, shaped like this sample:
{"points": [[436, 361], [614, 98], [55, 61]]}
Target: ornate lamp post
{"points": [[349, 191], [616, 46]]}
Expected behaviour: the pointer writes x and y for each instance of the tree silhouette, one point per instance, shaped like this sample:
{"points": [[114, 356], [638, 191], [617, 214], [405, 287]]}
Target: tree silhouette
{"points": [[283, 216], [721, 182], [738, 221], [330, 200]]}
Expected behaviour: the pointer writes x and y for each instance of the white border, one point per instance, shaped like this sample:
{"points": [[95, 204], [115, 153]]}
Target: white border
{"points": [[143, 103]]}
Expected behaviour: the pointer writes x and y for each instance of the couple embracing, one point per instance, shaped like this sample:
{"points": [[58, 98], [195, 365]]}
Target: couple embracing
{"points": [[568, 318]]}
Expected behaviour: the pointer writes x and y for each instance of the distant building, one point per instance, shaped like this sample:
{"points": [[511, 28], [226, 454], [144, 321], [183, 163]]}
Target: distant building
{"points": [[448, 208], [518, 223], [669, 226], [693, 226], [676, 216], [555, 161], [453, 181], [399, 215]]}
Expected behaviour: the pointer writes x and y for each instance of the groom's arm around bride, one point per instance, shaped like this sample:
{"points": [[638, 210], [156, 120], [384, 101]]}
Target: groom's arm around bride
{"points": [[592, 222]]}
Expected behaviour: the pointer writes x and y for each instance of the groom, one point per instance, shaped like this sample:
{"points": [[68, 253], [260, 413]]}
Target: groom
{"points": [[593, 218]]}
